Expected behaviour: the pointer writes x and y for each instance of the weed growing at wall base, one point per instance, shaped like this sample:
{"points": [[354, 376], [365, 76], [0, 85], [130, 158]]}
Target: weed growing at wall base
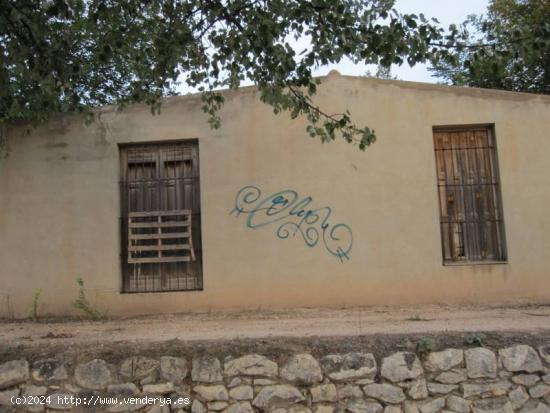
{"points": [[82, 303], [35, 299]]}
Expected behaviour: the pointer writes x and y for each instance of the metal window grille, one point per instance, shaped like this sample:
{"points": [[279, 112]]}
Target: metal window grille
{"points": [[472, 225], [160, 217]]}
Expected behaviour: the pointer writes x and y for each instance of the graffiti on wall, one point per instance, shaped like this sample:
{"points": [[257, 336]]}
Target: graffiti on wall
{"points": [[293, 215]]}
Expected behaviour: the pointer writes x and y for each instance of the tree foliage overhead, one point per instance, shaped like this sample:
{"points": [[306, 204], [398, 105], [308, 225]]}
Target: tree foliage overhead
{"points": [[64, 56], [73, 55], [508, 49]]}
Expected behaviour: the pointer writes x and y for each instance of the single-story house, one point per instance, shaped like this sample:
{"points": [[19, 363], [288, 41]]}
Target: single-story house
{"points": [[164, 214]]}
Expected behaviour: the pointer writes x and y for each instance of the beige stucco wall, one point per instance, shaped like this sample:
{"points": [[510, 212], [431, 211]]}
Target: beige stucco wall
{"points": [[59, 203]]}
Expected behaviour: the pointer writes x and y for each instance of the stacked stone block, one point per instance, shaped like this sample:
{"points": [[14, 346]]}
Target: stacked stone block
{"points": [[472, 380]]}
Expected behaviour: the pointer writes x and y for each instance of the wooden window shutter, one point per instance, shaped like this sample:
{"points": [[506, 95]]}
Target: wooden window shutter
{"points": [[472, 225], [160, 217]]}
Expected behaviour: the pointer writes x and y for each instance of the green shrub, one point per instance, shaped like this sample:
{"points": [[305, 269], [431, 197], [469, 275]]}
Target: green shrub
{"points": [[424, 346], [475, 339]]}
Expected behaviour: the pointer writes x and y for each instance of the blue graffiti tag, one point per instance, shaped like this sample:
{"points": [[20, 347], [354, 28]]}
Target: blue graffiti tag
{"points": [[295, 217]]}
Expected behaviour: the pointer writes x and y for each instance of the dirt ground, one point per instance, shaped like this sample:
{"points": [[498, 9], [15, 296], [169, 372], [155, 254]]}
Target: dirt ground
{"points": [[322, 328]]}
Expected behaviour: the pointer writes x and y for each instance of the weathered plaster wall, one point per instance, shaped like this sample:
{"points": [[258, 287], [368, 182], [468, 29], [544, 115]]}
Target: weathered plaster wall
{"points": [[59, 203], [478, 380]]}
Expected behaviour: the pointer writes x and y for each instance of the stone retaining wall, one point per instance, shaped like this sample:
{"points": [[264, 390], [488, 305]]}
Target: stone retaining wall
{"points": [[478, 380]]}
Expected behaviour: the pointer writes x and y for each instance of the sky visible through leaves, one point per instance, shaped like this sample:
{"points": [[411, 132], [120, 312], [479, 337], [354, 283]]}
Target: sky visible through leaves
{"points": [[446, 11]]}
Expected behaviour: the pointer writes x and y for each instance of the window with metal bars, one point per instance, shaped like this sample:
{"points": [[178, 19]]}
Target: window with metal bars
{"points": [[160, 217], [472, 225]]}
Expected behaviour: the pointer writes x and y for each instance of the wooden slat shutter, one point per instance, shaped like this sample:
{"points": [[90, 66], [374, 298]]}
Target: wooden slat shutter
{"points": [[160, 217], [472, 226]]}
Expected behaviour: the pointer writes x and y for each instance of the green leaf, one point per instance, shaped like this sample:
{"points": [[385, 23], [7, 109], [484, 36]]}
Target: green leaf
{"points": [[70, 56]]}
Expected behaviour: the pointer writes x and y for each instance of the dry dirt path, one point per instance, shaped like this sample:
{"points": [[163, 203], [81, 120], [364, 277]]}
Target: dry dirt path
{"points": [[281, 323]]}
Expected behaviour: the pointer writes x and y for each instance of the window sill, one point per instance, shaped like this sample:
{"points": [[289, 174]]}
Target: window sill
{"points": [[161, 291], [462, 263]]}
